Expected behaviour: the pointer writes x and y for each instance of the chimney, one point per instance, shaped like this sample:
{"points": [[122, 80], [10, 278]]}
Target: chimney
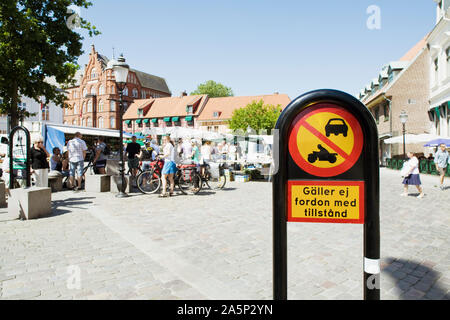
{"points": [[183, 94]]}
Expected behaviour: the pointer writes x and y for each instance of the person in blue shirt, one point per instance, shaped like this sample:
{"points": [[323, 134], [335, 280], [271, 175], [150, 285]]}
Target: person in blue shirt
{"points": [[442, 159]]}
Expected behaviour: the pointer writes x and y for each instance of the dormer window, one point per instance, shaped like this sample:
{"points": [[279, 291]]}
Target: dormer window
{"points": [[189, 109], [140, 113], [216, 114]]}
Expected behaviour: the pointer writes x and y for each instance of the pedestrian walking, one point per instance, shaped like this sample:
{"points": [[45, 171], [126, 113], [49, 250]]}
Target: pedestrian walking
{"points": [[77, 153], [411, 175], [170, 166], [39, 163], [441, 160]]}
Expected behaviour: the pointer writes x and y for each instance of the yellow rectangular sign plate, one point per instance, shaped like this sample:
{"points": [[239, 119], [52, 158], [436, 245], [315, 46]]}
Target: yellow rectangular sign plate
{"points": [[326, 201]]}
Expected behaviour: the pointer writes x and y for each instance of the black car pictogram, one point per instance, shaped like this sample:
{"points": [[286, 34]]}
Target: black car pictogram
{"points": [[322, 155], [336, 126]]}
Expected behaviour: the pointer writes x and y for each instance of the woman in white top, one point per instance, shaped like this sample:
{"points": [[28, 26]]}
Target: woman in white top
{"points": [[412, 175], [205, 151], [170, 167]]}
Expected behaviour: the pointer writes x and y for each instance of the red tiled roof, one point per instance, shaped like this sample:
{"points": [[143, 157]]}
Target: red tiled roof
{"points": [[165, 107], [414, 51], [225, 106]]}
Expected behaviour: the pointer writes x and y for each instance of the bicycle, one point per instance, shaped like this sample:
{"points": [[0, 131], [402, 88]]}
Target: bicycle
{"points": [[188, 180], [149, 181], [214, 182]]}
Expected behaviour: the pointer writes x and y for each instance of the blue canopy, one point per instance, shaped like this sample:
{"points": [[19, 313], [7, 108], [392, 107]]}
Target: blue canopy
{"points": [[54, 138], [438, 142]]}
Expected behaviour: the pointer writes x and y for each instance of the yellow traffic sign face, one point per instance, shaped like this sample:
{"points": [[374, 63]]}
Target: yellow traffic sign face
{"points": [[326, 142], [326, 201]]}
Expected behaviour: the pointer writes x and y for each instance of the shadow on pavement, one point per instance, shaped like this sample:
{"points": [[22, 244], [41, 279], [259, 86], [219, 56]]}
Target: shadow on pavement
{"points": [[415, 281], [59, 206]]}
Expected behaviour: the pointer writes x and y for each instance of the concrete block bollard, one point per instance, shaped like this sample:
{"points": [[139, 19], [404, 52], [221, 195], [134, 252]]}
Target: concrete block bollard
{"points": [[129, 189], [55, 181], [97, 183], [30, 203], [2, 194]]}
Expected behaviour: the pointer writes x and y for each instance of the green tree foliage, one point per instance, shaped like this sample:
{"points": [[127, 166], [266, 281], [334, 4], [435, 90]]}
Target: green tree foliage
{"points": [[213, 89], [37, 41], [256, 115]]}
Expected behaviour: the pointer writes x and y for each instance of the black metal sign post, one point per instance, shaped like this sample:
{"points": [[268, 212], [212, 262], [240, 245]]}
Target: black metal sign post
{"points": [[327, 172], [26, 153]]}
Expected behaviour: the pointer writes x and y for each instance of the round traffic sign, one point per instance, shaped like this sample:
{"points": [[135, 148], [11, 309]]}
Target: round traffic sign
{"points": [[326, 140]]}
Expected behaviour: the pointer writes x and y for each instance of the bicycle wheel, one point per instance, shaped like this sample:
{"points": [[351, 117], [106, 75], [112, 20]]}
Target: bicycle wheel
{"points": [[216, 183], [189, 184], [149, 181]]}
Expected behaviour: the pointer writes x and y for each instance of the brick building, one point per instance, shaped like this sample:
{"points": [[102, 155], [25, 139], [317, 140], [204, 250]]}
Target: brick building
{"points": [[401, 85], [93, 101]]}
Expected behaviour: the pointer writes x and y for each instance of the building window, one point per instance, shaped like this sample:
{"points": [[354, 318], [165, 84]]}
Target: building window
{"points": [[75, 108], [189, 109], [140, 112], [74, 122], [100, 122], [386, 112], [84, 92], [112, 122], [125, 106], [377, 114], [216, 114], [101, 90], [93, 74], [89, 106], [100, 106], [112, 90], [216, 128], [143, 94], [89, 122], [84, 107], [112, 105], [125, 91], [135, 93], [447, 52], [83, 122], [436, 71], [93, 91], [45, 113]]}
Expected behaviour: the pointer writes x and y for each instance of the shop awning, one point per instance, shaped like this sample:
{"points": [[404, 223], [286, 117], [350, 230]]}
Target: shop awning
{"points": [[139, 121], [189, 118], [155, 120], [167, 119], [175, 119], [127, 121], [146, 120]]}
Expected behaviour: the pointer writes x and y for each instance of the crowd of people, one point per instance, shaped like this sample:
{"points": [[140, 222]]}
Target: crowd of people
{"points": [[70, 162]]}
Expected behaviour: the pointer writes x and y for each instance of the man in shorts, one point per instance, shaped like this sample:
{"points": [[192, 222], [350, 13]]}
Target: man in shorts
{"points": [[442, 159], [77, 152], [133, 151]]}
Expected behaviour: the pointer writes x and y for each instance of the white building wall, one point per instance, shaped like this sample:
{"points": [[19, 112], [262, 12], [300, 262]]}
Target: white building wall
{"points": [[55, 113], [439, 44]]}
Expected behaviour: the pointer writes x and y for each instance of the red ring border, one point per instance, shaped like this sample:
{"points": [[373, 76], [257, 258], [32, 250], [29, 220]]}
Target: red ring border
{"points": [[326, 172]]}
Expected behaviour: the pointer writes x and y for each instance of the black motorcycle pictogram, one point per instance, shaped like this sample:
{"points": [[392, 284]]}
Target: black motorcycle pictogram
{"points": [[322, 155]]}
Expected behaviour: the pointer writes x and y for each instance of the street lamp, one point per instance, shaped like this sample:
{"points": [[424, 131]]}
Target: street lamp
{"points": [[120, 69], [403, 119]]}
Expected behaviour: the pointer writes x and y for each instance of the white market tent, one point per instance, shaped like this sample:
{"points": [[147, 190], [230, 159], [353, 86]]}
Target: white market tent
{"points": [[411, 138]]}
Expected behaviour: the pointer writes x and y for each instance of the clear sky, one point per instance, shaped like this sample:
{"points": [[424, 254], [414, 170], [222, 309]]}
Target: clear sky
{"points": [[259, 46]]}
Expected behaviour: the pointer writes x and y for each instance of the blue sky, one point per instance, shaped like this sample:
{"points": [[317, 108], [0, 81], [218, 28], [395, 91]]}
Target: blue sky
{"points": [[258, 46]]}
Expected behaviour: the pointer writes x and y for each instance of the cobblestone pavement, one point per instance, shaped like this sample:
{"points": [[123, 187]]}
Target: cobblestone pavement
{"points": [[218, 245]]}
